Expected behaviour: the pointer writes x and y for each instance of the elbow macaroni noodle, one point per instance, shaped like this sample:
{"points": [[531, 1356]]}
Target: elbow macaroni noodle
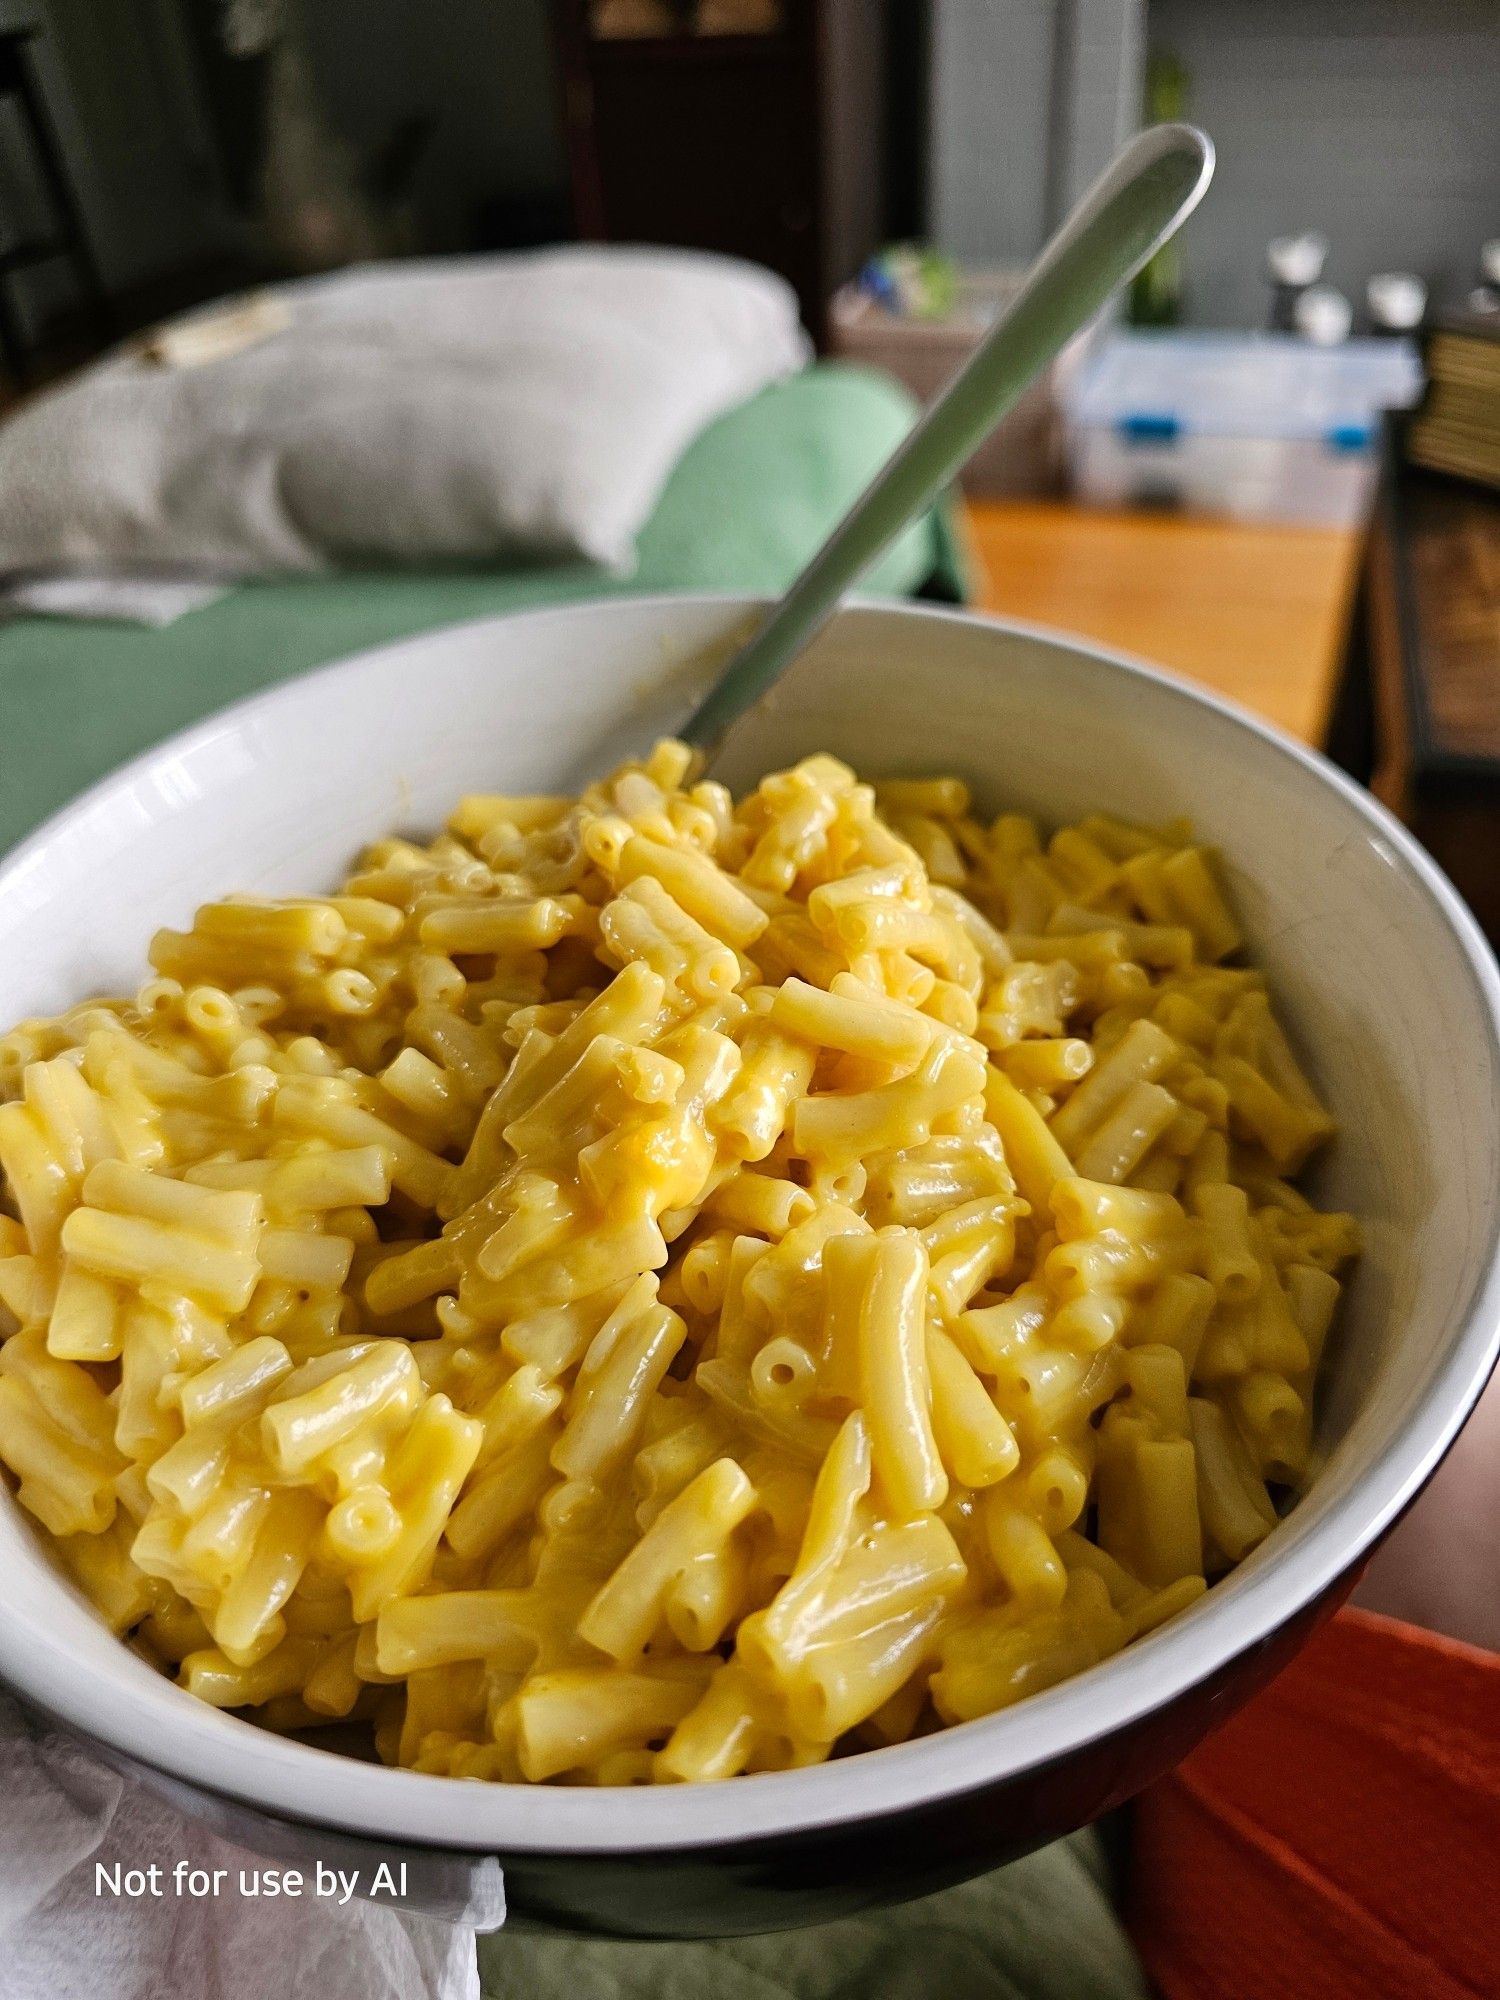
{"points": [[645, 1288]]}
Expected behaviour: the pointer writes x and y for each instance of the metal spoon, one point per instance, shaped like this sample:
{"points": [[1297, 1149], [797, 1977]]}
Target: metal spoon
{"points": [[1135, 206]]}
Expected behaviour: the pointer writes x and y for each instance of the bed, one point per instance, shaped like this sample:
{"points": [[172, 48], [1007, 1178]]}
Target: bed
{"points": [[746, 505]]}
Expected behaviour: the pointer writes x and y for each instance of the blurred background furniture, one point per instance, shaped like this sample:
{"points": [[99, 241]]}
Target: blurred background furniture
{"points": [[65, 238], [1458, 427], [754, 127], [820, 125], [1419, 710]]}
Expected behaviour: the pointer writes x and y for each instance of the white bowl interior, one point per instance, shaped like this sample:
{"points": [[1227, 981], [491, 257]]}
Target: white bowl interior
{"points": [[1387, 988]]}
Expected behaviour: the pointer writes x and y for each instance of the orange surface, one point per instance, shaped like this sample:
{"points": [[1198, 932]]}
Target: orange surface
{"points": [[1255, 613], [1339, 1839]]}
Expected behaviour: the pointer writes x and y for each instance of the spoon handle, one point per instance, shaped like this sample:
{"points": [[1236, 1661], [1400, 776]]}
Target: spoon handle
{"points": [[1135, 206]]}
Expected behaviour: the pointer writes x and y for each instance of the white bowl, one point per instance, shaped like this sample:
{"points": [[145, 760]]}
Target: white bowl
{"points": [[1389, 990]]}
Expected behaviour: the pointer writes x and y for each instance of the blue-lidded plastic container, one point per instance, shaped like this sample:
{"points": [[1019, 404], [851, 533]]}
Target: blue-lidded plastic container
{"points": [[1262, 427]]}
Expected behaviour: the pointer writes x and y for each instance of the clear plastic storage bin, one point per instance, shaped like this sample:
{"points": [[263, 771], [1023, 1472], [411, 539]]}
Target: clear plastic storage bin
{"points": [[1263, 427], [1021, 455]]}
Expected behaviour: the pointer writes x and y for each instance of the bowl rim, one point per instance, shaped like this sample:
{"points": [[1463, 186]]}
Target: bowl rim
{"points": [[161, 1726]]}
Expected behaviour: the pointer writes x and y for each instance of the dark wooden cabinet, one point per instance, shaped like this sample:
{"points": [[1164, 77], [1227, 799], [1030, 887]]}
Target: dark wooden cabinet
{"points": [[767, 145], [1419, 711]]}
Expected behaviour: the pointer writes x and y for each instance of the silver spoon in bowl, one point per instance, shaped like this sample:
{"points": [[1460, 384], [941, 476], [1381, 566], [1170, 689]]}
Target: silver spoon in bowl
{"points": [[1138, 203]]}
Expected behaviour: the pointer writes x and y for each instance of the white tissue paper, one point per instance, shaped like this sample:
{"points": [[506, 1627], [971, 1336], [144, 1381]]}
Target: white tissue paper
{"points": [[126, 600], [63, 1811]]}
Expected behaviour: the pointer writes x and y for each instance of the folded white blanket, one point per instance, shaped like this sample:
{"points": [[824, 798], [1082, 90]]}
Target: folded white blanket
{"points": [[436, 411]]}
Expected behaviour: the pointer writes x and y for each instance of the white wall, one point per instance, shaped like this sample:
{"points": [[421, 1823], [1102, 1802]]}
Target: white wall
{"points": [[991, 118], [1376, 121], [1029, 100]]}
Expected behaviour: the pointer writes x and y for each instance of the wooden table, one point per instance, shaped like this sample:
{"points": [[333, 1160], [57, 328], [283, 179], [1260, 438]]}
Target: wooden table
{"points": [[1255, 613]]}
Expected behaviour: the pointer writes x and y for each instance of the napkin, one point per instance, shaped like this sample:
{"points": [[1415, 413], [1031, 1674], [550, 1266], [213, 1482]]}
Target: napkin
{"points": [[1339, 1839], [61, 1939]]}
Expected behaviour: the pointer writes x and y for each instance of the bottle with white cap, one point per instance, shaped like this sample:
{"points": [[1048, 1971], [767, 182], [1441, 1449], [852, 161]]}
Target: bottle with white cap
{"points": [[1485, 297], [1293, 263], [1323, 316], [1397, 301]]}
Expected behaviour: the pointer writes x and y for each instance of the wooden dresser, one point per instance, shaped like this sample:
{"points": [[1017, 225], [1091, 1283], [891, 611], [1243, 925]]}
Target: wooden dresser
{"points": [[1428, 639], [766, 144]]}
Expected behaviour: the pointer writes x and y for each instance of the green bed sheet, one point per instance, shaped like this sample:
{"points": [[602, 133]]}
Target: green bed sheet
{"points": [[1043, 1929], [747, 504]]}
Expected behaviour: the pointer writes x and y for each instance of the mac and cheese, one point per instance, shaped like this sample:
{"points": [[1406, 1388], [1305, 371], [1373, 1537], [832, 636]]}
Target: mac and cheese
{"points": [[644, 1288]]}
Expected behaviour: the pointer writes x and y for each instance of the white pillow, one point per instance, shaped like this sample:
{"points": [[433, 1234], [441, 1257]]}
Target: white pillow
{"points": [[434, 411]]}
